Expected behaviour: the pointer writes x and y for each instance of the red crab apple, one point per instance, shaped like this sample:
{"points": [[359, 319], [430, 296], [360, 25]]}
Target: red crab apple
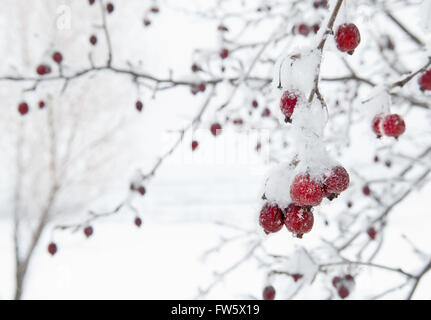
{"points": [[52, 248], [393, 125], [425, 81], [142, 190], [138, 222], [110, 7], [337, 181], [254, 104], [88, 231], [377, 125], [271, 218], [287, 104], [306, 191], [268, 293], [43, 69], [347, 37], [195, 144], [139, 105], [366, 190], [224, 53], [371, 233], [57, 57], [23, 108], [298, 220], [215, 129], [93, 40]]}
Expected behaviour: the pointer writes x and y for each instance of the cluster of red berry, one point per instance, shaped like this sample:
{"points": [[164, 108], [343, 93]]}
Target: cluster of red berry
{"points": [[391, 125], [343, 285]]}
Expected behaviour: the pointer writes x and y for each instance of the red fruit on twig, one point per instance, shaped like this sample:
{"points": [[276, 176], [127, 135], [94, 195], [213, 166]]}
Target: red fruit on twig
{"points": [[215, 129], [52, 248], [287, 104], [268, 293], [298, 220], [425, 81], [195, 144], [347, 37], [138, 222], [224, 53], [57, 57], [371, 233], [305, 191], [23, 108], [271, 218], [336, 182], [88, 231], [393, 125]]}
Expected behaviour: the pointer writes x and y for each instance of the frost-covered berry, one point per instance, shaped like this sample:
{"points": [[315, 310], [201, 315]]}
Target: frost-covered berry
{"points": [[377, 125], [271, 218], [215, 129], [195, 144], [337, 181], [347, 37], [23, 108], [425, 81], [393, 125], [57, 57], [43, 69], [343, 292], [52, 248], [305, 191], [224, 53], [371, 233], [298, 220], [268, 293], [287, 104], [88, 231]]}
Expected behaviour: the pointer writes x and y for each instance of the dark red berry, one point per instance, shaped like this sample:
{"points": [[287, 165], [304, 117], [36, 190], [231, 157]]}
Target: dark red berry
{"points": [[372, 233], [154, 9], [93, 40], [215, 129], [388, 163], [376, 159], [91, 2], [109, 7], [316, 28], [52, 248], [254, 104], [224, 53], [343, 292], [57, 57], [349, 278], [88, 231], [425, 81], [194, 145], [238, 121], [347, 37], [271, 218], [268, 293], [43, 69], [141, 190], [298, 220], [147, 22], [139, 105], [202, 86], [336, 281], [303, 29], [297, 276], [305, 191], [41, 104], [377, 125], [195, 67], [288, 103], [23, 108], [138, 222], [393, 125], [349, 204], [337, 181], [222, 28], [366, 190], [266, 112]]}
